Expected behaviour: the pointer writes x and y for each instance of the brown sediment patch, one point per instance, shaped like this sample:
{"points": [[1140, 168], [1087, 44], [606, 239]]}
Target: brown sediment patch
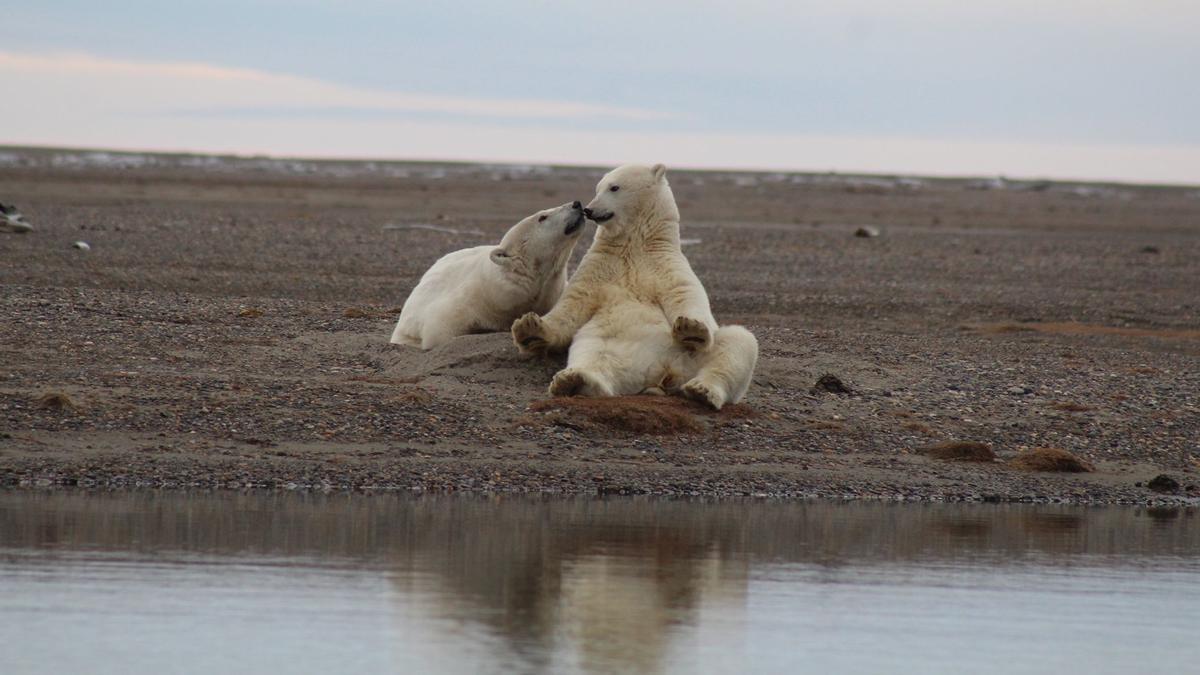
{"points": [[375, 379], [918, 427], [1084, 329], [56, 400], [249, 342], [736, 411], [824, 425], [1051, 460], [960, 451], [999, 328], [413, 396], [366, 313], [250, 313], [656, 415], [1068, 406]]}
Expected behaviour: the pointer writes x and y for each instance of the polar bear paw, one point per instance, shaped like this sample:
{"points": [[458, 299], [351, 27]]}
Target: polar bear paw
{"points": [[529, 333], [704, 393], [691, 334], [569, 382]]}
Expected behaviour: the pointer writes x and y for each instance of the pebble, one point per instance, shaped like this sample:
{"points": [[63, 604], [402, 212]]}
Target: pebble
{"points": [[867, 232], [82, 245]]}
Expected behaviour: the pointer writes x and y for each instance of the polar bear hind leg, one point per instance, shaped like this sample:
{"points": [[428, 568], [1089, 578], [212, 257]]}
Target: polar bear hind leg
{"points": [[726, 370], [442, 324], [615, 361], [399, 337], [407, 331]]}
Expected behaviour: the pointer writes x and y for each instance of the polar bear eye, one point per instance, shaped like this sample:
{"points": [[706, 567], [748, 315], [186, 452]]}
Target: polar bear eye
{"points": [[614, 188], [541, 218]]}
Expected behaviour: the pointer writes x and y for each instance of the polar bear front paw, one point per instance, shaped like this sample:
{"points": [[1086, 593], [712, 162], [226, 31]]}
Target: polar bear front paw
{"points": [[691, 334], [529, 334]]}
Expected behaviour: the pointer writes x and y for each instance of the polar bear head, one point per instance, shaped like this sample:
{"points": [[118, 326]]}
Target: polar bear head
{"points": [[633, 196], [540, 244]]}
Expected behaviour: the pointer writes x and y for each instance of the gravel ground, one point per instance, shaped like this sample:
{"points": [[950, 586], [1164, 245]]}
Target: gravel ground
{"points": [[229, 328]]}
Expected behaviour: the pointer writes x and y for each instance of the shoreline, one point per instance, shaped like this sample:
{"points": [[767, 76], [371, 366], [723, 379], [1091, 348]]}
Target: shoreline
{"points": [[230, 326]]}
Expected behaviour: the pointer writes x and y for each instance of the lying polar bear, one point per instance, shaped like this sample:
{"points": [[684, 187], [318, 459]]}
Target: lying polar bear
{"points": [[635, 316], [482, 289]]}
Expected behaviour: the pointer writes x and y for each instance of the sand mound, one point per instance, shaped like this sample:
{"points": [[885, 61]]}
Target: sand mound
{"points": [[1083, 329], [489, 358], [1049, 459]]}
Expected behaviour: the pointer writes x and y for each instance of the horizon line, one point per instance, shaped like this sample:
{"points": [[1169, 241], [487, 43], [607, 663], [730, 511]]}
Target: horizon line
{"points": [[359, 159]]}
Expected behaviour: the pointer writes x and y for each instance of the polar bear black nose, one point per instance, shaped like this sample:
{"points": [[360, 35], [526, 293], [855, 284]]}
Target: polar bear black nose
{"points": [[576, 205], [587, 212]]}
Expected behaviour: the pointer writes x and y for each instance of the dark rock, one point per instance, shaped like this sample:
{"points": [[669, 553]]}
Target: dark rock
{"points": [[831, 384], [1164, 484], [56, 400]]}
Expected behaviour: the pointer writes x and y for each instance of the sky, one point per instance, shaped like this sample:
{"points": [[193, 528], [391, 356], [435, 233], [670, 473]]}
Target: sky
{"points": [[1099, 89]]}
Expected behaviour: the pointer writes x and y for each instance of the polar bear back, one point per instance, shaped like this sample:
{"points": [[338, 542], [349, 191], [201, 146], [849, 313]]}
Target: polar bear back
{"points": [[452, 296]]}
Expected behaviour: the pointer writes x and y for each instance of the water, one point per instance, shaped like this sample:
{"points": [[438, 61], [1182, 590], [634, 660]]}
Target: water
{"points": [[309, 583]]}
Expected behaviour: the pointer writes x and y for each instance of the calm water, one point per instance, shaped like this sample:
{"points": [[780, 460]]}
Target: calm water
{"points": [[237, 583]]}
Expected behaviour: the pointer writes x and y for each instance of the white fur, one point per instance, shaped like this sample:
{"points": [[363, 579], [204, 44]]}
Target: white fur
{"points": [[635, 316], [482, 289]]}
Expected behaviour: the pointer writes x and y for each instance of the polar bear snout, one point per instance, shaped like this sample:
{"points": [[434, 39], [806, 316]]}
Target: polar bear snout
{"points": [[575, 223], [598, 215], [575, 219]]}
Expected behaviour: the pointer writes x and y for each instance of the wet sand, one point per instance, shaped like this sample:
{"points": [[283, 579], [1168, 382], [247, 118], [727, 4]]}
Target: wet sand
{"points": [[229, 326]]}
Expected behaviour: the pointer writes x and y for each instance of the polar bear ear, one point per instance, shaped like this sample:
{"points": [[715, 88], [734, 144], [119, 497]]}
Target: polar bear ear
{"points": [[500, 257], [659, 171]]}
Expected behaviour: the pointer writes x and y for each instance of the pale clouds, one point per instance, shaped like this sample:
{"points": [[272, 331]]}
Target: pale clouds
{"points": [[148, 88], [80, 100]]}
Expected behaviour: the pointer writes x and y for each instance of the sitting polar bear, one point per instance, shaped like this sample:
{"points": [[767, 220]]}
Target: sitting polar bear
{"points": [[482, 289], [635, 316]]}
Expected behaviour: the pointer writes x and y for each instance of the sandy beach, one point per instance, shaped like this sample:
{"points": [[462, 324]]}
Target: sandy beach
{"points": [[228, 328]]}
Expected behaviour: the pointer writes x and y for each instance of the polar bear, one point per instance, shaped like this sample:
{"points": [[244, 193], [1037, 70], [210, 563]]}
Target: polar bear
{"points": [[635, 316], [482, 289]]}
